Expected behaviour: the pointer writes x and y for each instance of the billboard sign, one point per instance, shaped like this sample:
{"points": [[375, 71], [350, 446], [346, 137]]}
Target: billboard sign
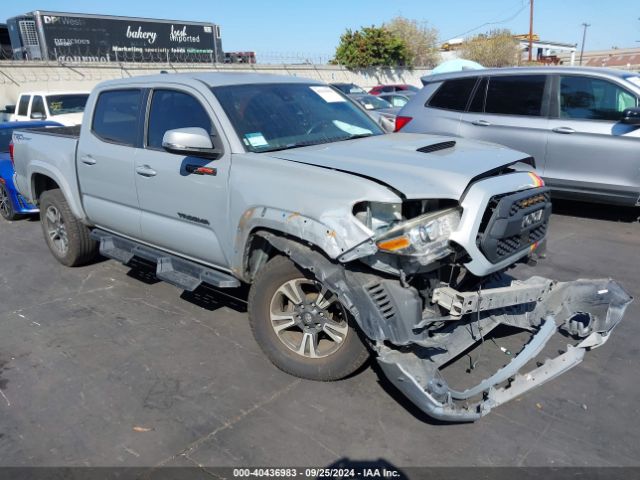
{"points": [[80, 38]]}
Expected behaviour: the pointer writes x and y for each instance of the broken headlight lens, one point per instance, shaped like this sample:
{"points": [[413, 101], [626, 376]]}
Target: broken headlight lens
{"points": [[426, 236]]}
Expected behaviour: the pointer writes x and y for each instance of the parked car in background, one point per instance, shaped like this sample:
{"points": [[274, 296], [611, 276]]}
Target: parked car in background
{"points": [[380, 110], [349, 88], [12, 204], [62, 107], [582, 125], [6, 112], [400, 87], [352, 241], [397, 100]]}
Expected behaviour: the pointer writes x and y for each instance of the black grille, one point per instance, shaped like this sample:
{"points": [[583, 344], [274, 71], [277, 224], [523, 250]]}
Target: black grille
{"points": [[538, 234], [508, 246], [437, 146], [514, 222], [382, 300]]}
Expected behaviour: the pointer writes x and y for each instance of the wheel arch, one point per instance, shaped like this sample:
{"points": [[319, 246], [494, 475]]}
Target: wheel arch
{"points": [[331, 241], [42, 179]]}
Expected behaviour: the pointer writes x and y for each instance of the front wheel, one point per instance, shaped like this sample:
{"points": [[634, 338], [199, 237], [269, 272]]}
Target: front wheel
{"points": [[301, 326], [67, 237]]}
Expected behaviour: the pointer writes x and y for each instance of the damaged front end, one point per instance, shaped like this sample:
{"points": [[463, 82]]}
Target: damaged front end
{"points": [[430, 288], [585, 311]]}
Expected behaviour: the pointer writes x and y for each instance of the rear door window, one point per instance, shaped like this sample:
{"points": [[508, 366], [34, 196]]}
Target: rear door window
{"points": [[23, 106], [453, 94], [516, 95], [116, 118], [593, 99]]}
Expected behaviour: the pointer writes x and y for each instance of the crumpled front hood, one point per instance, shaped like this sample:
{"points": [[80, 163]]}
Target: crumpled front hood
{"points": [[394, 160]]}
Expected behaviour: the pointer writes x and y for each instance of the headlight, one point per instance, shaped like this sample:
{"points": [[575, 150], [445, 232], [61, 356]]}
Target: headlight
{"points": [[426, 236]]}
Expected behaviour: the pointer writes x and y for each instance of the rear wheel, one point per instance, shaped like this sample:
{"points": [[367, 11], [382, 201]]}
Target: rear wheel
{"points": [[67, 237], [301, 326], [6, 205]]}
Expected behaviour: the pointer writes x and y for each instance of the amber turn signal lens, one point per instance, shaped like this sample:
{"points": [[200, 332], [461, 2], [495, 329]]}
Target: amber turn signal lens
{"points": [[393, 244]]}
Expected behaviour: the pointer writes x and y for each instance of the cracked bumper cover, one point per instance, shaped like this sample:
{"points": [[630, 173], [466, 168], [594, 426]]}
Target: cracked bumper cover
{"points": [[584, 309]]}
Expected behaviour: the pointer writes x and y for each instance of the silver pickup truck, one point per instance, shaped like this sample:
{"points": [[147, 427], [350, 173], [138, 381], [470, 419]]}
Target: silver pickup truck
{"points": [[353, 242]]}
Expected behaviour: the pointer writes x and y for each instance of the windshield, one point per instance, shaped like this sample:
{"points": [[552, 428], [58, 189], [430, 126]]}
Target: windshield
{"points": [[371, 102], [411, 88], [270, 117], [5, 139], [61, 104]]}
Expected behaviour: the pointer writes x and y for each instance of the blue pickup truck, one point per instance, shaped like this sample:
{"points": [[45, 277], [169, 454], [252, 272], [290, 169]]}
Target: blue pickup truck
{"points": [[12, 204]]}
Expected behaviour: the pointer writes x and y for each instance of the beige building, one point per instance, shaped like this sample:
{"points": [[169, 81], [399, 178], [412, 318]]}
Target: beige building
{"points": [[621, 58]]}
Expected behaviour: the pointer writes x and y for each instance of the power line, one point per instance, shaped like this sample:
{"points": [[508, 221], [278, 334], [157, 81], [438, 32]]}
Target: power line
{"points": [[506, 20]]}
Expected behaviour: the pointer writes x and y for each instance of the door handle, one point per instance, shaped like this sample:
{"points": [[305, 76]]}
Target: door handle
{"points": [[146, 171], [564, 130], [481, 123], [88, 160]]}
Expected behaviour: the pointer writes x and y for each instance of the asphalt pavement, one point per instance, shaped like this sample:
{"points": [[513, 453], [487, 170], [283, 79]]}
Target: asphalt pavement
{"points": [[105, 366]]}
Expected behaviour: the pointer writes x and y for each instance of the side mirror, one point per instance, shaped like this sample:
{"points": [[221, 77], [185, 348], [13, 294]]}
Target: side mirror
{"points": [[193, 141], [631, 116], [37, 116]]}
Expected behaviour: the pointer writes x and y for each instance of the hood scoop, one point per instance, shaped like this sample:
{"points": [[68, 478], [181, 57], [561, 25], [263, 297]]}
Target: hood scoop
{"points": [[437, 146]]}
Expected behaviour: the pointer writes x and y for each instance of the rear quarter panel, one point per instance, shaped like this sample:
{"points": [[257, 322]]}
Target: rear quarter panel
{"points": [[49, 155]]}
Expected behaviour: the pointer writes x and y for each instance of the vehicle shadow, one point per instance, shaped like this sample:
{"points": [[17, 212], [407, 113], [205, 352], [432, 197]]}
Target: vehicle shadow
{"points": [[596, 211], [204, 296]]}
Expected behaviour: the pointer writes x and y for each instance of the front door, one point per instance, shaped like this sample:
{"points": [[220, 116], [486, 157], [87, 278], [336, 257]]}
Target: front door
{"points": [[182, 211], [590, 150], [105, 158]]}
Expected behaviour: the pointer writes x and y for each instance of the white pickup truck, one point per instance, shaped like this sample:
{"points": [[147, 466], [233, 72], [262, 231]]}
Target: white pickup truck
{"points": [[354, 242], [65, 108]]}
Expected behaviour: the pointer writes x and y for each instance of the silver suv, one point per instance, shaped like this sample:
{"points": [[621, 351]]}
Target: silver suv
{"points": [[582, 125]]}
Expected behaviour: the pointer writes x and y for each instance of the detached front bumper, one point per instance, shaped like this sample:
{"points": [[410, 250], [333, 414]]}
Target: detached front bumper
{"points": [[584, 310]]}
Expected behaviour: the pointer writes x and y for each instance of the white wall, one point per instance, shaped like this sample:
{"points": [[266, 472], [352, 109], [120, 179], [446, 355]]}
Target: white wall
{"points": [[16, 77]]}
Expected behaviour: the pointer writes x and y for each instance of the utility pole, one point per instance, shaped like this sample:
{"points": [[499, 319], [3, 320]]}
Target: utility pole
{"points": [[530, 28], [584, 36]]}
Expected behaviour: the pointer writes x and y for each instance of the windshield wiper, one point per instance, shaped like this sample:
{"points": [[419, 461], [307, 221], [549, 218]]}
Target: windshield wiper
{"points": [[316, 142]]}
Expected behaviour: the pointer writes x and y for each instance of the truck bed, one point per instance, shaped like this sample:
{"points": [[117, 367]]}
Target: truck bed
{"points": [[69, 132]]}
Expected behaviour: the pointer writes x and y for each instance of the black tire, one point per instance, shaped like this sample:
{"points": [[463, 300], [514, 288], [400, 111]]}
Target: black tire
{"points": [[80, 248], [6, 207], [351, 352]]}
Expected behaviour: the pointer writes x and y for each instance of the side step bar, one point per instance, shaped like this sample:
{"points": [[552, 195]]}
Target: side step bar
{"points": [[177, 271]]}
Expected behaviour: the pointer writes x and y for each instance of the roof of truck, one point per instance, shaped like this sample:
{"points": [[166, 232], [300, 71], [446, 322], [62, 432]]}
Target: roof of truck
{"points": [[215, 79]]}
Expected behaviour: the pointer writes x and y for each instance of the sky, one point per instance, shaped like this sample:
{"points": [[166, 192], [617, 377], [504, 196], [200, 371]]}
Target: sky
{"points": [[290, 30]]}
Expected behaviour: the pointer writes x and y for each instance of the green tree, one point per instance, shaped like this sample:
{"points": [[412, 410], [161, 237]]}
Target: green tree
{"points": [[371, 47], [421, 41], [497, 48]]}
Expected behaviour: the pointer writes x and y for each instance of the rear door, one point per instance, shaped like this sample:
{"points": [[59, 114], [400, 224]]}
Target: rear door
{"points": [[182, 211], [590, 151], [510, 110], [106, 156]]}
